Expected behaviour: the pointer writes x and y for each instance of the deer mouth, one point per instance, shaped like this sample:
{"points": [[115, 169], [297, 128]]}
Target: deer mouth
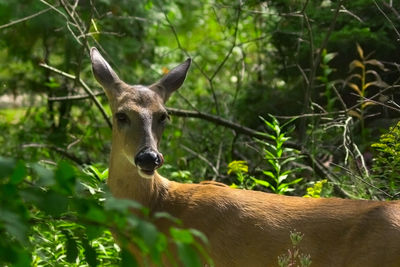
{"points": [[147, 161], [146, 173]]}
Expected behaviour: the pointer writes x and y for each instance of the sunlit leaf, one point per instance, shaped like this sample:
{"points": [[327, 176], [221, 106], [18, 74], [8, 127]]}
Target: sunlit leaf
{"points": [[355, 88], [356, 64], [360, 51], [261, 182], [367, 103], [376, 63], [354, 113], [182, 235]]}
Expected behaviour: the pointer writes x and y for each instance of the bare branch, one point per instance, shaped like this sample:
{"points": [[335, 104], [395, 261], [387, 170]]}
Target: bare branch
{"points": [[73, 97], [59, 150], [388, 19], [226, 123], [85, 87], [202, 158], [25, 18]]}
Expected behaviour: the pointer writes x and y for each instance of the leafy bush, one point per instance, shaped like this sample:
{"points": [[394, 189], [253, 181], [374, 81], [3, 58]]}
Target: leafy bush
{"points": [[386, 165], [294, 257], [60, 215], [278, 157]]}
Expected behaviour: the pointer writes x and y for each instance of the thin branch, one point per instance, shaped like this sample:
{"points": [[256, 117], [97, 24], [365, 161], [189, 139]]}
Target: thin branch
{"points": [[25, 18], [59, 150], [53, 8], [85, 87], [73, 97], [202, 158], [388, 19], [226, 123], [346, 110]]}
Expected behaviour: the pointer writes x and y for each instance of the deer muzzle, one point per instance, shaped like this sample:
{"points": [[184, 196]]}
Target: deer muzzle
{"points": [[148, 160]]}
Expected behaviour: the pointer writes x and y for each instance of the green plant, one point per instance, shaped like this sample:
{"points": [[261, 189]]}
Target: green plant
{"points": [[386, 164], [278, 157], [52, 216], [241, 169], [294, 255], [364, 80], [316, 189], [324, 78]]}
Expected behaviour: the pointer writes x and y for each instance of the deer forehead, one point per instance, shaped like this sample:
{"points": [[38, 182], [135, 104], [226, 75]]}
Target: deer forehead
{"points": [[139, 99]]}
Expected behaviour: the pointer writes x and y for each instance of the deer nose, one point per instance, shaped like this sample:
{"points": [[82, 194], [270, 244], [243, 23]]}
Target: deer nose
{"points": [[148, 159]]}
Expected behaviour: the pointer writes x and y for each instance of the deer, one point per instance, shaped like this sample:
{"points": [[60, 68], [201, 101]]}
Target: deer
{"points": [[243, 227]]}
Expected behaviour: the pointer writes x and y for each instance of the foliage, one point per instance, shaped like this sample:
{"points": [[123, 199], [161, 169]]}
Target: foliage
{"points": [[57, 216], [324, 78], [278, 157], [250, 59], [241, 169], [316, 189], [386, 166], [294, 257], [366, 79]]}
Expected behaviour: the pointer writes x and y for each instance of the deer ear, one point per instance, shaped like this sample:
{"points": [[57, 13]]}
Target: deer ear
{"points": [[172, 80], [102, 71]]}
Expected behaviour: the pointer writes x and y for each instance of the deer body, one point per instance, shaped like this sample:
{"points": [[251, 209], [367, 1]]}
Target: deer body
{"points": [[244, 228]]}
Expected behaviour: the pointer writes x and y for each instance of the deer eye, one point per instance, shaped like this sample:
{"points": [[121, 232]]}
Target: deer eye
{"points": [[122, 117], [164, 117]]}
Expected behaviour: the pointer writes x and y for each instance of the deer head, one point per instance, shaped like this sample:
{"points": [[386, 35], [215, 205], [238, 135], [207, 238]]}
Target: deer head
{"points": [[139, 114]]}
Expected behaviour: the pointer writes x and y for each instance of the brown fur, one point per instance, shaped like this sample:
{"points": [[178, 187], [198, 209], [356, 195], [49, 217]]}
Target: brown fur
{"points": [[244, 228]]}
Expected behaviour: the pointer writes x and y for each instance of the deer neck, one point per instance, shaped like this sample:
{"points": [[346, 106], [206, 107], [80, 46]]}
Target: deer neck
{"points": [[125, 182]]}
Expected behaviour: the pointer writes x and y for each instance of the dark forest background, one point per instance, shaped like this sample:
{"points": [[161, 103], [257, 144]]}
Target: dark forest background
{"points": [[292, 97]]}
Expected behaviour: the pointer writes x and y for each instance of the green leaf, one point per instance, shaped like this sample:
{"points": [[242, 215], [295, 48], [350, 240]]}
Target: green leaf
{"points": [[282, 178], [261, 182], [14, 224], [24, 259], [65, 177], [166, 215], [53, 203], [46, 176], [199, 235], [96, 214], [90, 253], [94, 231], [121, 205], [148, 232], [296, 181], [269, 174], [19, 173], [72, 247], [188, 255], [328, 57], [6, 166], [127, 259], [182, 235]]}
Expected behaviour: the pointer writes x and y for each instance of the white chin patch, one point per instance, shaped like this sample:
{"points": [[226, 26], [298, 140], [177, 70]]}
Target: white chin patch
{"points": [[145, 174]]}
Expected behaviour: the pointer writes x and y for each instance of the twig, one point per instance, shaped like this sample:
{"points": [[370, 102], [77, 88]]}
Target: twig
{"points": [[315, 61], [58, 150], [53, 8], [73, 97], [366, 182], [85, 87], [226, 123], [25, 18], [390, 21], [202, 158]]}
